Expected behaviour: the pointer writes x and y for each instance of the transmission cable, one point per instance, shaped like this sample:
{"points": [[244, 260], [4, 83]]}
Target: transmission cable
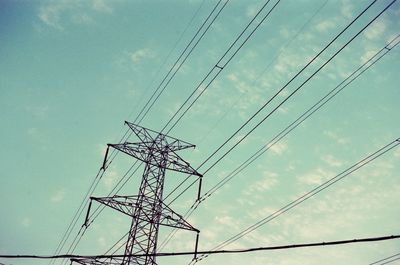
{"points": [[319, 104], [290, 95], [299, 87], [233, 251], [114, 153], [387, 260], [99, 209], [293, 92], [219, 66], [276, 56], [177, 67], [165, 61], [311, 193], [282, 103], [78, 213], [114, 191], [126, 135]]}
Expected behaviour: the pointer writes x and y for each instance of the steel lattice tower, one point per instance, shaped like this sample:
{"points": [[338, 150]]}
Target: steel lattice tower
{"points": [[147, 209]]}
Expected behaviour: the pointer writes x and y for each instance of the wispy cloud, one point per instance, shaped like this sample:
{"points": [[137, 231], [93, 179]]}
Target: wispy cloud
{"points": [[376, 30], [102, 6], [39, 112], [346, 9], [26, 222], [102, 241], [141, 54], [279, 148], [50, 14], [332, 161], [336, 137], [57, 14], [110, 178], [325, 25], [58, 196], [268, 181], [32, 131], [315, 176]]}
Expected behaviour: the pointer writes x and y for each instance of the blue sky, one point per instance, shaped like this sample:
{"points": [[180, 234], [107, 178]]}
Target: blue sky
{"points": [[71, 72]]}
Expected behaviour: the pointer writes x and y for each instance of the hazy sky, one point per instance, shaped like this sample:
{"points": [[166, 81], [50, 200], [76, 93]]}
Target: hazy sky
{"points": [[71, 72]]}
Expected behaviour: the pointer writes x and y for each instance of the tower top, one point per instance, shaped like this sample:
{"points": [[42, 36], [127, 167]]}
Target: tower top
{"points": [[156, 139], [162, 148]]}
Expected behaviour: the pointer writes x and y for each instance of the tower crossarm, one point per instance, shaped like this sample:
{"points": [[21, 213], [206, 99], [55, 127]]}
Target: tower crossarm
{"points": [[147, 209], [123, 204], [150, 136], [172, 161], [170, 218], [127, 205], [95, 261], [176, 163], [137, 150]]}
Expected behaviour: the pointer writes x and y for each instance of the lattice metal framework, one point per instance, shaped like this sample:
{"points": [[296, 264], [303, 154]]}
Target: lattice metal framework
{"points": [[148, 212]]}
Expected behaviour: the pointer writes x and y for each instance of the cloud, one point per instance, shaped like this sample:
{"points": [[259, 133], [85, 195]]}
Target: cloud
{"points": [[376, 30], [337, 138], [332, 161], [51, 14], [269, 180], [56, 14], [315, 177], [102, 241], [252, 10], [32, 131], [278, 148], [346, 9], [397, 153], [82, 18], [325, 25], [141, 54], [102, 6], [26, 222], [366, 56], [39, 112], [58, 196], [101, 149], [109, 179]]}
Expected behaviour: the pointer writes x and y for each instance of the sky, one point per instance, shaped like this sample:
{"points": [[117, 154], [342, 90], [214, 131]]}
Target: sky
{"points": [[72, 71]]}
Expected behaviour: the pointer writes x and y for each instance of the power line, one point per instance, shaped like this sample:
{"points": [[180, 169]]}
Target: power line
{"points": [[387, 260], [78, 213], [318, 105], [210, 252], [126, 135], [312, 193], [294, 91], [100, 208], [349, 79], [219, 66], [176, 63], [289, 96], [277, 55], [176, 67], [167, 57], [125, 178], [390, 261], [221, 69]]}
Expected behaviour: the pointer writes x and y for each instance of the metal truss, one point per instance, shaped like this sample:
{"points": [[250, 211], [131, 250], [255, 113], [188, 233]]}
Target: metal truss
{"points": [[147, 209], [127, 205]]}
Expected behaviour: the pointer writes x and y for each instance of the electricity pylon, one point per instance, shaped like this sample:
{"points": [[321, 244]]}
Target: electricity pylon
{"points": [[147, 209]]}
